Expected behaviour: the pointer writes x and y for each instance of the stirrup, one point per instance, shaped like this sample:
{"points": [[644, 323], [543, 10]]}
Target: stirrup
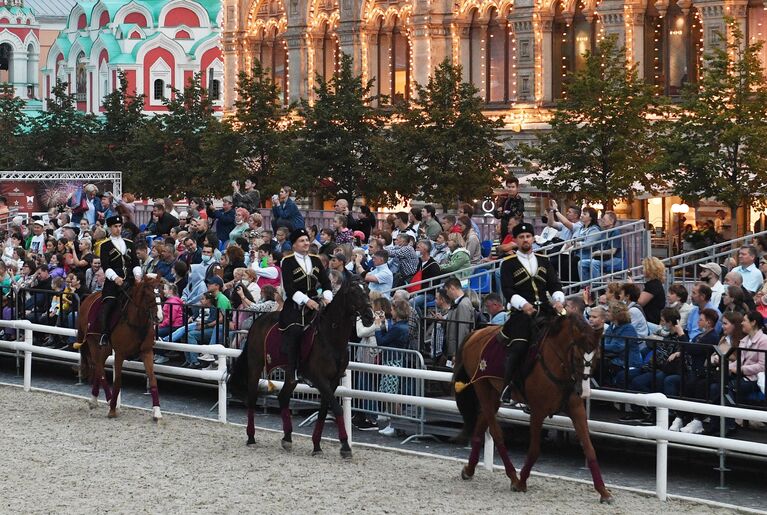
{"points": [[77, 345], [506, 395], [104, 341]]}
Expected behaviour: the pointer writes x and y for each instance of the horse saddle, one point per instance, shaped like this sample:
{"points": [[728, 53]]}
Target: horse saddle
{"points": [[275, 357], [94, 316], [493, 361]]}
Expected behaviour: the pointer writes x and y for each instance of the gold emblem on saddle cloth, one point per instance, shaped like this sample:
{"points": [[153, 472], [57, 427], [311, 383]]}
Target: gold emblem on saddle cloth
{"points": [[268, 358], [483, 365]]}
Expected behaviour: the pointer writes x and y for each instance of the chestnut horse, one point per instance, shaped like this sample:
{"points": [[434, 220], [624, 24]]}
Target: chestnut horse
{"points": [[556, 382], [324, 367], [133, 334]]}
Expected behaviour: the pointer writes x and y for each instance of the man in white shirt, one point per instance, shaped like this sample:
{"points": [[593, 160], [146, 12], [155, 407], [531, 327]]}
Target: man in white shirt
{"points": [[711, 274], [752, 276]]}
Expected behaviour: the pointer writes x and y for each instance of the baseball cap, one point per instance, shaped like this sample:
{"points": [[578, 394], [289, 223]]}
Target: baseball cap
{"points": [[215, 280], [714, 268]]}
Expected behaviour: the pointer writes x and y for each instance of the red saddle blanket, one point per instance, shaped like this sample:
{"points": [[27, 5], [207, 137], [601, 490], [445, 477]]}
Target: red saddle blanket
{"points": [[274, 357], [493, 361], [94, 317]]}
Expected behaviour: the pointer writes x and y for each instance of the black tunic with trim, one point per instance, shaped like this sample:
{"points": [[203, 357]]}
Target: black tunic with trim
{"points": [[122, 264], [294, 279]]}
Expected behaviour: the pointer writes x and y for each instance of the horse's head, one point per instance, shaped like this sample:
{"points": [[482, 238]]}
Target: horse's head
{"points": [[146, 296], [581, 343], [356, 301]]}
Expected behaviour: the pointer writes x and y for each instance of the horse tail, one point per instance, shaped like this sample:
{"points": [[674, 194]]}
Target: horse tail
{"points": [[238, 376], [467, 401]]}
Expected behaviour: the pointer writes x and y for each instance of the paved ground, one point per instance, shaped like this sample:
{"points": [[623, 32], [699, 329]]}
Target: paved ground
{"points": [[623, 464]]}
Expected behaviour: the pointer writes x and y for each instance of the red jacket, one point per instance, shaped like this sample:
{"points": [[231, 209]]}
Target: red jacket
{"points": [[172, 313]]}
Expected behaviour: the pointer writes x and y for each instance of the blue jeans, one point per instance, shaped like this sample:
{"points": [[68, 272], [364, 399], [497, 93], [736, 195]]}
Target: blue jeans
{"points": [[620, 377], [644, 382], [672, 385], [593, 268]]}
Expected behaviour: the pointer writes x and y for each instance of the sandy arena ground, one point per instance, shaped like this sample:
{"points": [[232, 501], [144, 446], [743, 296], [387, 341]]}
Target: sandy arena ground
{"points": [[58, 456]]}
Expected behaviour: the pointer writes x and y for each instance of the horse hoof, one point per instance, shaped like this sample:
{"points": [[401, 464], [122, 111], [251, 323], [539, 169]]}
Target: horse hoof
{"points": [[251, 440], [518, 487], [346, 454], [156, 413], [465, 476], [112, 414], [287, 446], [607, 500], [317, 452], [93, 402]]}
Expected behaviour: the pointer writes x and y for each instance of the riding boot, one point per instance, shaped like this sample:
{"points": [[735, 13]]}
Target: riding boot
{"points": [[514, 355], [105, 318]]}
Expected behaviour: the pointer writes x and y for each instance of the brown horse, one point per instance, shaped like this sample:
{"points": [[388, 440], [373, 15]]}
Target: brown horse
{"points": [[324, 367], [133, 334], [556, 382]]}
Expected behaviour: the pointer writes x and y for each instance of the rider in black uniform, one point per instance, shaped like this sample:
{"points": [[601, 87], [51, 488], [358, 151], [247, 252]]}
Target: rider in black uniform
{"points": [[303, 279], [526, 277], [121, 266]]}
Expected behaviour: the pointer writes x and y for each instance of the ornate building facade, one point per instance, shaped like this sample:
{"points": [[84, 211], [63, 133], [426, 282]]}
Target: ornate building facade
{"points": [[158, 44], [20, 50], [516, 52]]}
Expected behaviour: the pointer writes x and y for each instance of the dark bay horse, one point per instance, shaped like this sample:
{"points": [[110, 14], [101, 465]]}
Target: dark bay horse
{"points": [[133, 334], [324, 367], [557, 381]]}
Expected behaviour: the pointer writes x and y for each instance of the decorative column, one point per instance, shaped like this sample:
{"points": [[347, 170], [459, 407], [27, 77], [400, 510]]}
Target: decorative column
{"points": [[298, 59], [420, 45], [544, 91]]}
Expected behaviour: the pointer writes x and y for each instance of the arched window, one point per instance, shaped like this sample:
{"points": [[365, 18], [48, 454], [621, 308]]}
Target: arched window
{"points": [[499, 58], [82, 79], [326, 52], [32, 66], [654, 42], [381, 62], [158, 89], [475, 47], [279, 64], [215, 89], [6, 63], [561, 60], [400, 62]]}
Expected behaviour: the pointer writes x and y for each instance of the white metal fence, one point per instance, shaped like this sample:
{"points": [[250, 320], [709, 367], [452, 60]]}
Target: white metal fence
{"points": [[659, 435]]}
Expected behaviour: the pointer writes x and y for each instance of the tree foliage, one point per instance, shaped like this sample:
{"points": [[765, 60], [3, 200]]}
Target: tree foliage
{"points": [[717, 146], [446, 141], [12, 123], [602, 143]]}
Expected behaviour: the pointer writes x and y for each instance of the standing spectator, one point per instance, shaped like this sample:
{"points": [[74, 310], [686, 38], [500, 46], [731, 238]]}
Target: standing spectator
{"points": [[710, 274], [752, 276], [250, 199], [84, 204], [224, 218], [404, 259], [343, 234], [240, 223], [460, 319], [285, 212], [380, 278], [197, 209], [512, 206], [402, 225], [653, 298], [366, 221], [429, 222]]}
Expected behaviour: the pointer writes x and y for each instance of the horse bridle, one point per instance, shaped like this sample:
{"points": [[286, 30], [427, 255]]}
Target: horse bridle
{"points": [[139, 308], [571, 382]]}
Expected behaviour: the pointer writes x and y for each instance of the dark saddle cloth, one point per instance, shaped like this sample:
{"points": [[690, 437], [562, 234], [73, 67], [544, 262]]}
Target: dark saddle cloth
{"points": [[275, 357], [492, 362], [94, 316]]}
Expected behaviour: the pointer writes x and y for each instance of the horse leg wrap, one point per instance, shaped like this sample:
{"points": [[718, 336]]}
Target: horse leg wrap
{"points": [[95, 388], [341, 428], [107, 389], [476, 444], [507, 464], [251, 430], [317, 433], [287, 421], [155, 396], [596, 475]]}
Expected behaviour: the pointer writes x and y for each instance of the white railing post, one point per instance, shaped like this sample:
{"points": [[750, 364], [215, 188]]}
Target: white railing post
{"points": [[661, 454], [488, 455], [222, 388], [346, 382], [28, 340]]}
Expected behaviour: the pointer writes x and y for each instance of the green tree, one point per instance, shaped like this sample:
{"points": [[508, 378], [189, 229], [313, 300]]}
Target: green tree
{"points": [[55, 136], [12, 123], [446, 141], [717, 148], [258, 117], [602, 142], [334, 148], [110, 148]]}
